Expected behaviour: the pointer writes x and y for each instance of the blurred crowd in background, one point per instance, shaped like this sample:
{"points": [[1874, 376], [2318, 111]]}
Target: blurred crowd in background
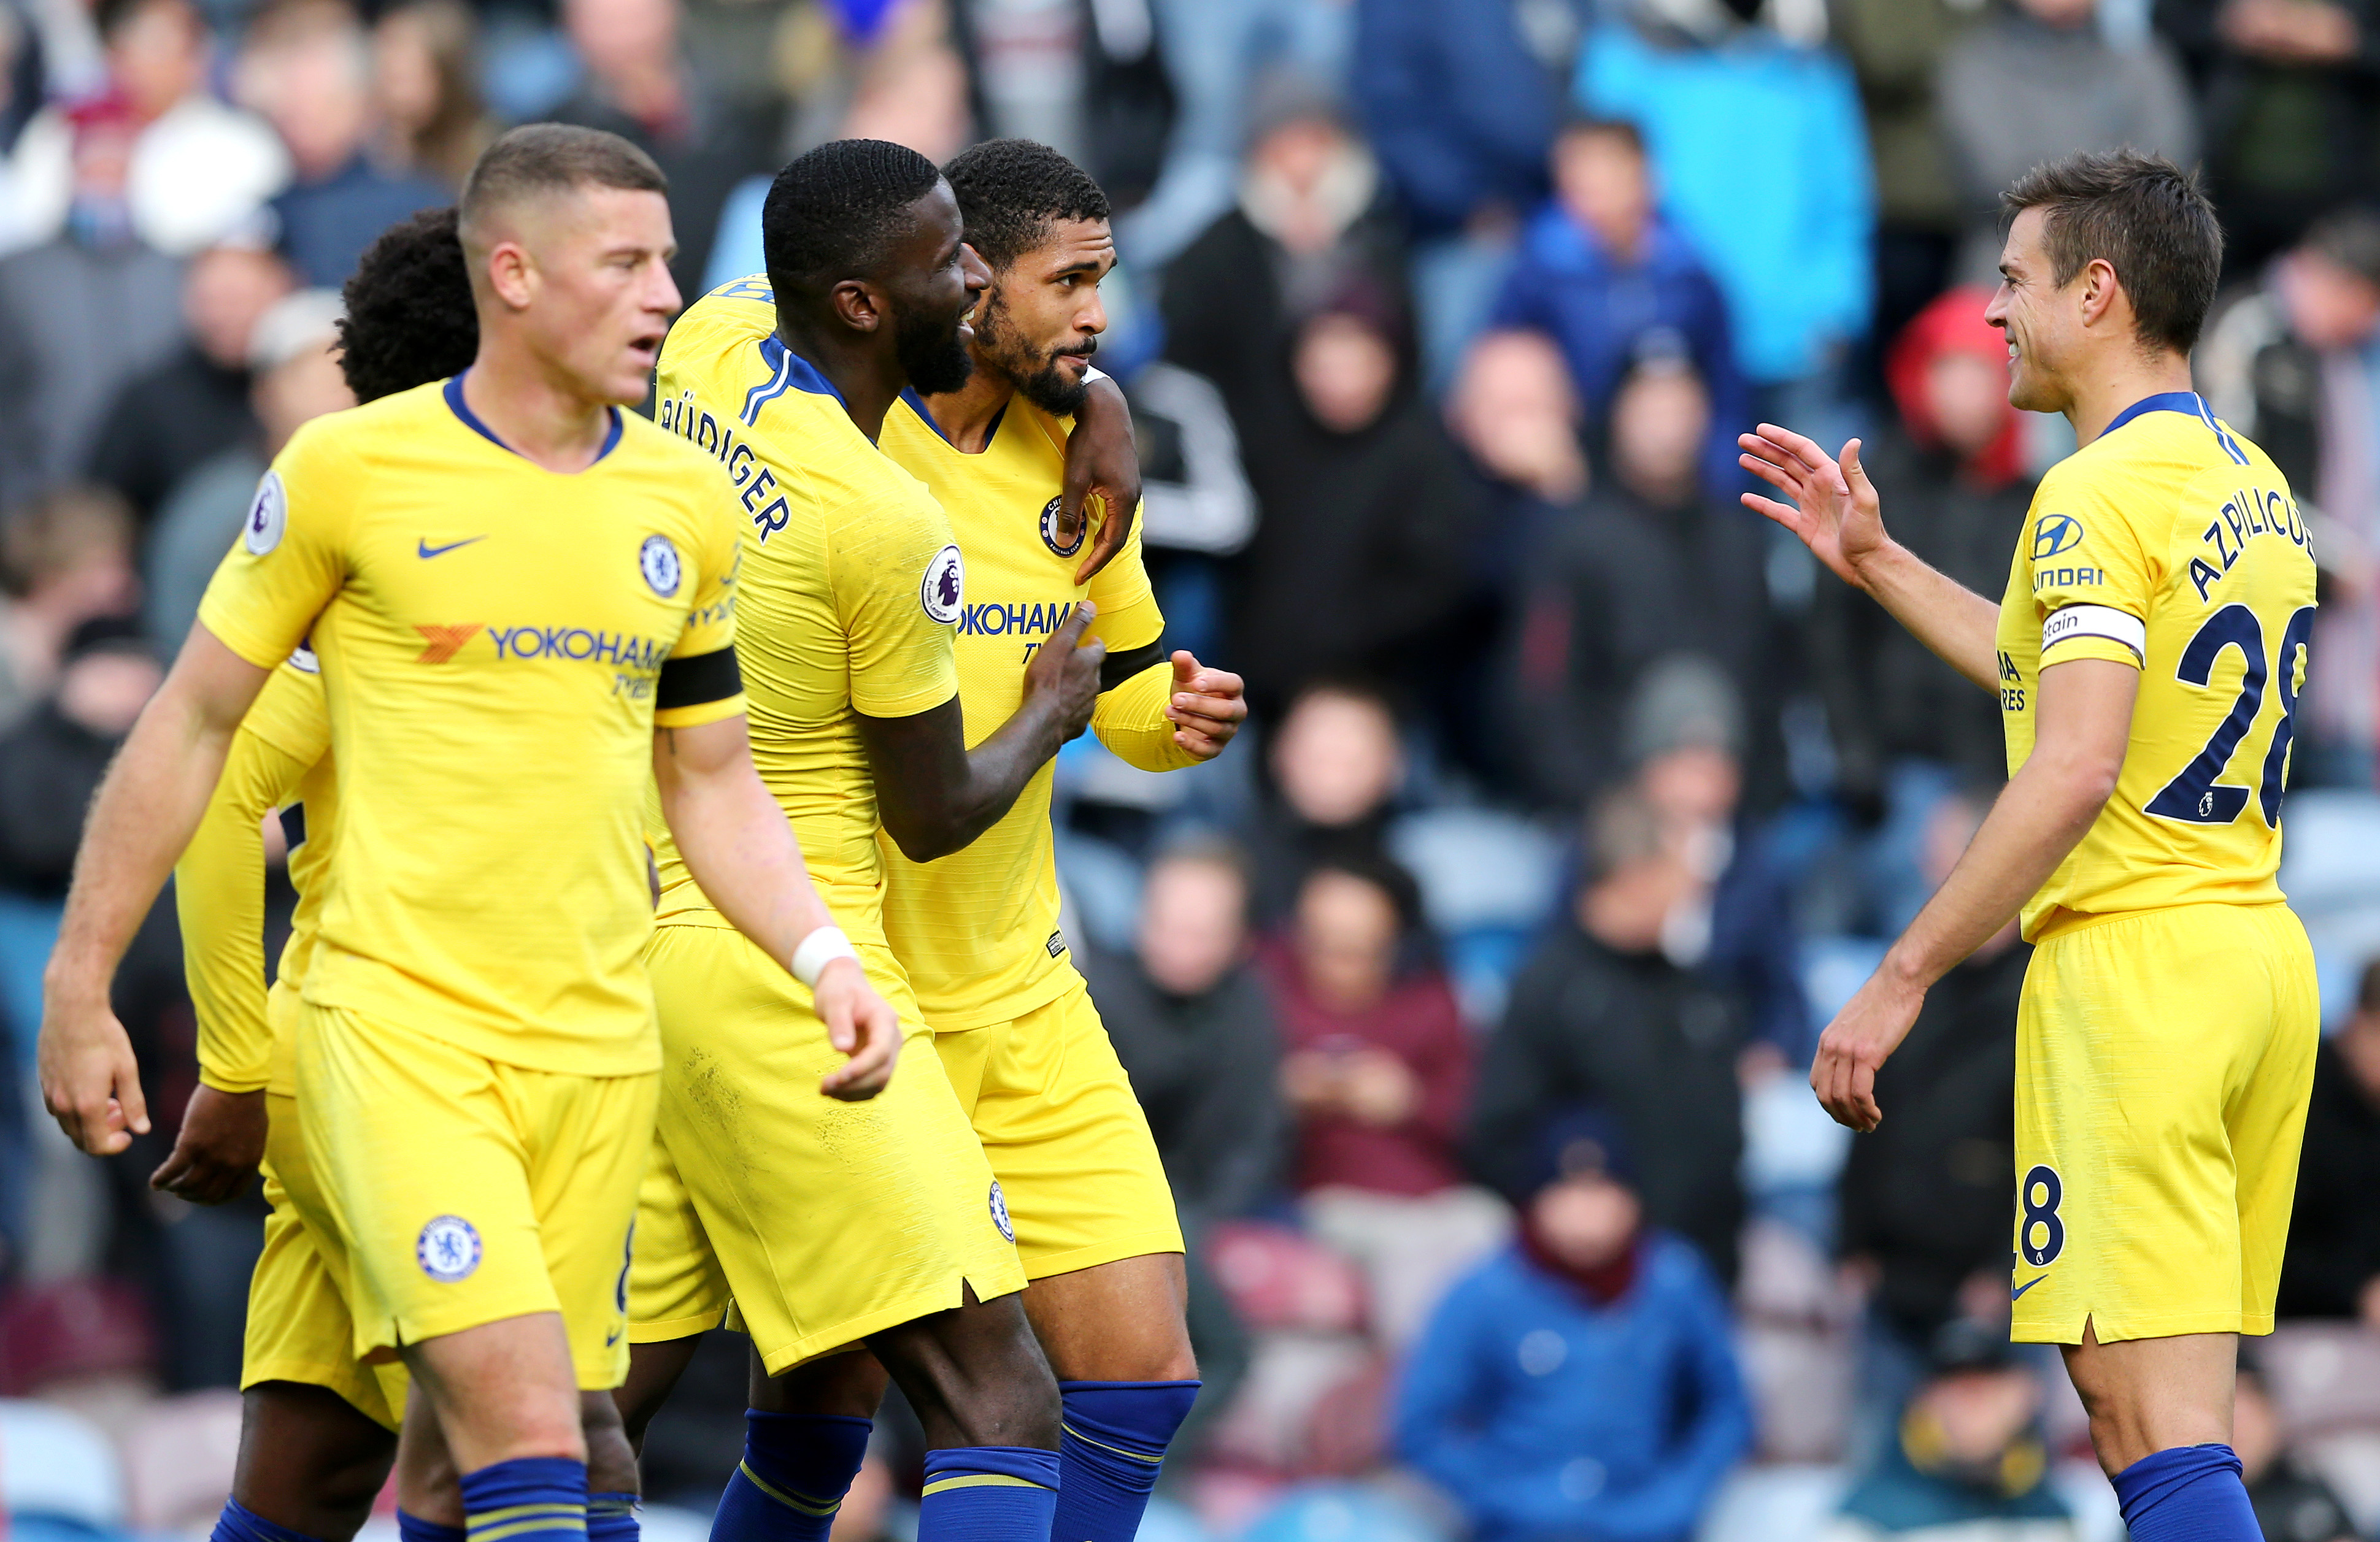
{"points": [[1470, 995]]}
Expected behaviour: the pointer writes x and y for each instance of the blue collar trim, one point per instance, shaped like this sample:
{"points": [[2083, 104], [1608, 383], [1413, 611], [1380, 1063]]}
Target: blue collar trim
{"points": [[917, 406], [462, 409], [2188, 402]]}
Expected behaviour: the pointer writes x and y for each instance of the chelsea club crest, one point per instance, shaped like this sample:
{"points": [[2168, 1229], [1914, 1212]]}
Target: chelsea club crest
{"points": [[1050, 521]]}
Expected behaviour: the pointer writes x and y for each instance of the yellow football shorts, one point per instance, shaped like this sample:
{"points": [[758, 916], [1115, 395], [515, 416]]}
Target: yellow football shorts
{"points": [[465, 1191], [1059, 1121], [2164, 1060], [822, 1220], [298, 1327]]}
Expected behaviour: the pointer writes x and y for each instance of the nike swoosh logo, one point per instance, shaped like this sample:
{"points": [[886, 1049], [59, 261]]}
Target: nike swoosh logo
{"points": [[2026, 1286], [613, 1337], [424, 550]]}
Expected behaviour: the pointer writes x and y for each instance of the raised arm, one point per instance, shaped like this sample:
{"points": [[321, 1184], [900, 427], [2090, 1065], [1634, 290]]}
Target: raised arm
{"points": [[2085, 722], [1834, 509], [934, 795], [144, 814], [741, 850]]}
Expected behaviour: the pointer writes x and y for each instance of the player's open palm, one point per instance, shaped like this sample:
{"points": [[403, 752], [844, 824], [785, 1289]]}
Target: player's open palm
{"points": [[1830, 504], [862, 1025], [91, 1083], [1066, 668]]}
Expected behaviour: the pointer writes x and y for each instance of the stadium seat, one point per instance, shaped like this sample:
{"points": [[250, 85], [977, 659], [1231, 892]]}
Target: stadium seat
{"points": [[57, 1466]]}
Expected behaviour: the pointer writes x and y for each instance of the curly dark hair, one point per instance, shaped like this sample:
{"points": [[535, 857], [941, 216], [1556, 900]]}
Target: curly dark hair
{"points": [[1012, 191], [409, 317]]}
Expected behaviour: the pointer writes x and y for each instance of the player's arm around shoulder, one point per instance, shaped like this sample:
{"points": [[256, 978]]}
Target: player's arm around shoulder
{"points": [[1101, 459]]}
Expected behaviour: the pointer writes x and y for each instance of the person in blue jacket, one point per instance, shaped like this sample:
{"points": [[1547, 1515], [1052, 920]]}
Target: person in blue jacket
{"points": [[1581, 1385]]}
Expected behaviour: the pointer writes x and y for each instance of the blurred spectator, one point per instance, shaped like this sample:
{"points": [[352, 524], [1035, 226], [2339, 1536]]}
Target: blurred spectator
{"points": [[1790, 246], [1925, 1204], [1194, 1029], [1605, 276], [306, 65], [1895, 48], [1652, 566], [195, 172], [50, 761], [2292, 110], [1600, 1015], [1515, 410], [1308, 221], [2332, 1267], [194, 405], [1969, 1461], [1376, 1068], [79, 315], [1361, 555], [2038, 80], [292, 361], [1958, 492], [639, 86], [2292, 1503], [1460, 104], [1336, 764], [1582, 1382], [1218, 53], [2291, 363], [425, 81], [1735, 921], [63, 560]]}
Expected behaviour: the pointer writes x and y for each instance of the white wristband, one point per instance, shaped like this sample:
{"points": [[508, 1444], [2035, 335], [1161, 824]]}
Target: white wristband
{"points": [[819, 949]]}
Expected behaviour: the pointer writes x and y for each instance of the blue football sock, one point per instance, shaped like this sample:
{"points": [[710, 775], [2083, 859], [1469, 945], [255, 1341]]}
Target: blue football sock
{"points": [[795, 1470], [612, 1518], [989, 1494], [239, 1523], [528, 1499], [1114, 1446], [2186, 1494], [413, 1528]]}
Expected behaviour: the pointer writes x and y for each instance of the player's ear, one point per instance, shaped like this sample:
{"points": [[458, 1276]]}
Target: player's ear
{"points": [[512, 273], [858, 304]]}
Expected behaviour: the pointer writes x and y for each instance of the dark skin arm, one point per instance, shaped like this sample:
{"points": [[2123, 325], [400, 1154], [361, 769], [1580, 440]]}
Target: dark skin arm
{"points": [[216, 1150], [934, 795], [1102, 459]]}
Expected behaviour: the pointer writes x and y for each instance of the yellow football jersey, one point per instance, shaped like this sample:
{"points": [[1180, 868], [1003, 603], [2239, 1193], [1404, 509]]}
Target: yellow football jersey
{"points": [[851, 582], [2171, 544], [497, 643], [978, 929], [280, 759]]}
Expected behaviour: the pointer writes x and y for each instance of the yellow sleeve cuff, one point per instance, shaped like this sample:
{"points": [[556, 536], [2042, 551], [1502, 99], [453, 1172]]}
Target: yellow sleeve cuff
{"points": [[1131, 721], [2089, 647], [699, 713]]}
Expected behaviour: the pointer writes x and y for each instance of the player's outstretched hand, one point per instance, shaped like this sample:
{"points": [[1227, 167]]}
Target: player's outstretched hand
{"points": [[90, 1082], [1854, 1046], [1100, 458], [216, 1153], [862, 1025], [1065, 670], [1833, 505], [1209, 706]]}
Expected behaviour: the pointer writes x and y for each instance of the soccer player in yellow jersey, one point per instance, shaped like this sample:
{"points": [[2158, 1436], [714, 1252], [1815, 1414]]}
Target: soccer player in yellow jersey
{"points": [[522, 601], [318, 1428], [828, 1228], [978, 930], [2147, 654]]}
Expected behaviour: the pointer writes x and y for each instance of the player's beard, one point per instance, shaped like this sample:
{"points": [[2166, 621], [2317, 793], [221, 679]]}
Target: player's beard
{"points": [[1036, 372], [930, 352]]}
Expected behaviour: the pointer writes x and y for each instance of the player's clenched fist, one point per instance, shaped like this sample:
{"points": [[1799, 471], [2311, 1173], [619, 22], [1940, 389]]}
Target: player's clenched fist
{"points": [[1208, 706], [1855, 1045], [862, 1025], [218, 1148]]}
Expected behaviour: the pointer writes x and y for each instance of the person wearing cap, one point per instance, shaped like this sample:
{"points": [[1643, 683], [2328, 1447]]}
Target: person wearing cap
{"points": [[1582, 1382], [1970, 1465], [294, 378], [2290, 364]]}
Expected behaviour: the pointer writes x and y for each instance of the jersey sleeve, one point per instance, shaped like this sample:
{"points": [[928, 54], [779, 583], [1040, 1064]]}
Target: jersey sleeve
{"points": [[899, 581], [1128, 617], [1131, 721], [290, 558], [219, 883], [2094, 569], [700, 681]]}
